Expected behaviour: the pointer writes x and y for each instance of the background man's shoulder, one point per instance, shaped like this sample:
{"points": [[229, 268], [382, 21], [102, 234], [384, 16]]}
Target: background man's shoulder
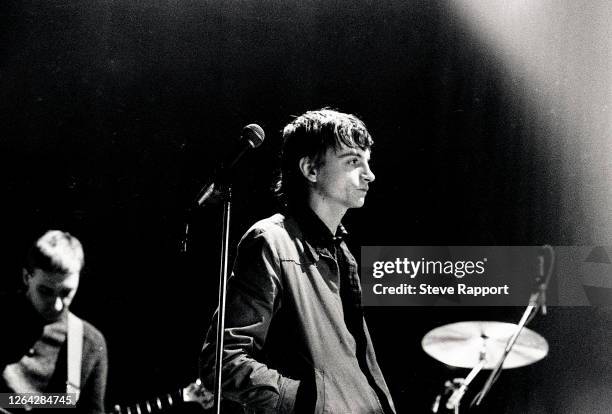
{"points": [[93, 334], [93, 340]]}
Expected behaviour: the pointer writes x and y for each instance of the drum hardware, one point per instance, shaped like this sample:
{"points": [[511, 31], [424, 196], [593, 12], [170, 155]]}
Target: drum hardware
{"points": [[490, 345], [479, 345]]}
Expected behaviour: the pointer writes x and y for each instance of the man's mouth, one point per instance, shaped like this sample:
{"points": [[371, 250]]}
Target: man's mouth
{"points": [[53, 315]]}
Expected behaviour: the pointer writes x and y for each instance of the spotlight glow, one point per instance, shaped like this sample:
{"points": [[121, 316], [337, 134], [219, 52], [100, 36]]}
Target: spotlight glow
{"points": [[563, 51]]}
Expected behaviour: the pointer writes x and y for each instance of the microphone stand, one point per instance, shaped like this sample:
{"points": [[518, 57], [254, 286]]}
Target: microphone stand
{"points": [[226, 191], [536, 301], [222, 191], [220, 188]]}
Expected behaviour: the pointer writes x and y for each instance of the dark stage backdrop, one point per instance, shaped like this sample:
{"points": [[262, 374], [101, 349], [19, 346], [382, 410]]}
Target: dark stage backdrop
{"points": [[492, 126]]}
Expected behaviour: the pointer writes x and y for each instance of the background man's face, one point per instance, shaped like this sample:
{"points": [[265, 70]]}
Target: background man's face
{"points": [[344, 176], [51, 293]]}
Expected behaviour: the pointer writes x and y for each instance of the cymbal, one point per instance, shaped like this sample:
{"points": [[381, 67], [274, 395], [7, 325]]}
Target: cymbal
{"points": [[460, 344]]}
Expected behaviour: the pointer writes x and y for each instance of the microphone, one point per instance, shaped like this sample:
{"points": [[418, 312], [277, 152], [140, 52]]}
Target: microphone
{"points": [[252, 136]]}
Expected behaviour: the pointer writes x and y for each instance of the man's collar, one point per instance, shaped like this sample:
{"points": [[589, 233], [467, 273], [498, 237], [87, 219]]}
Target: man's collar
{"points": [[316, 233]]}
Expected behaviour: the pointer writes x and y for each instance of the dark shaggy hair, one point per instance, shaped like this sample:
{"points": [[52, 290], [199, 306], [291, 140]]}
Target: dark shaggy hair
{"points": [[310, 135]]}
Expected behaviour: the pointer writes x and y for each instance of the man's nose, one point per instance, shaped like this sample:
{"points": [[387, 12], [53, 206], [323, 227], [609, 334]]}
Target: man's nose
{"points": [[59, 304], [368, 175]]}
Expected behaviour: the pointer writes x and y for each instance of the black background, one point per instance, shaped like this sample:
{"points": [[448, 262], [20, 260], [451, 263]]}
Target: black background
{"points": [[113, 114]]}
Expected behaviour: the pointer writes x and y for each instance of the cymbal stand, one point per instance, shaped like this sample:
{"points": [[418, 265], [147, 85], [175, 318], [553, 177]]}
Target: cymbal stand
{"points": [[455, 399], [536, 301]]}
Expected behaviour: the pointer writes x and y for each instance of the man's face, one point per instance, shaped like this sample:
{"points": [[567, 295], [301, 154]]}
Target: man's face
{"points": [[51, 293], [343, 177]]}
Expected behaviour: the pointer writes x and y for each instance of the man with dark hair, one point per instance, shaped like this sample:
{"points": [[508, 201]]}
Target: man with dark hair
{"points": [[295, 337], [45, 348]]}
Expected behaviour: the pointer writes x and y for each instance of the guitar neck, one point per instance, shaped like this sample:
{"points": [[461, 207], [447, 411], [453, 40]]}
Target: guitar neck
{"points": [[154, 405]]}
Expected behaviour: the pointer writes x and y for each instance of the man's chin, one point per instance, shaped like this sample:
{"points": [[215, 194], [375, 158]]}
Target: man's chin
{"points": [[53, 317], [359, 203]]}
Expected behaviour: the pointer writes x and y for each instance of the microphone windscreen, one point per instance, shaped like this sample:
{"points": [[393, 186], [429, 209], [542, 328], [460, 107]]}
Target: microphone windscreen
{"points": [[254, 134]]}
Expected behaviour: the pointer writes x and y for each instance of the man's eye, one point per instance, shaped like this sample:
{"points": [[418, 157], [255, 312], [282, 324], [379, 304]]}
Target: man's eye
{"points": [[45, 292], [354, 161]]}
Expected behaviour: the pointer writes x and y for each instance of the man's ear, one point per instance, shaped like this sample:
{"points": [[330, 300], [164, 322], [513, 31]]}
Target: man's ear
{"points": [[26, 275], [308, 168]]}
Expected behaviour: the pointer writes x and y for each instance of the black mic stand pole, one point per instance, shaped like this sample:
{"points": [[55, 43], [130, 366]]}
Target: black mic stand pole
{"points": [[222, 191], [253, 137], [226, 191]]}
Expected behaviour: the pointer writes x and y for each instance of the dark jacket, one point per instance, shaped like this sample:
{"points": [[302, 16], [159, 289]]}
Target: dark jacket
{"points": [[285, 328], [25, 336]]}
